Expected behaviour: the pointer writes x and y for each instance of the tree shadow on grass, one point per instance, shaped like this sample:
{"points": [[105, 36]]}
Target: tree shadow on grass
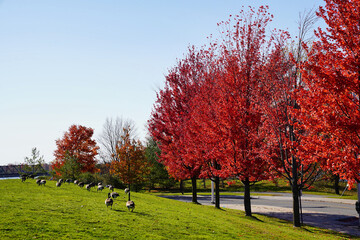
{"points": [[307, 230], [219, 209], [183, 198], [254, 218]]}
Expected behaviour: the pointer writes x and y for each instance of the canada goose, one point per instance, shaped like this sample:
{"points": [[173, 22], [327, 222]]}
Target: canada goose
{"points": [[42, 182], [76, 182], [130, 205], [68, 181], [99, 183], [38, 181], [111, 187], [88, 187], [61, 180], [127, 190], [109, 201], [114, 195], [58, 184], [100, 187], [81, 184]]}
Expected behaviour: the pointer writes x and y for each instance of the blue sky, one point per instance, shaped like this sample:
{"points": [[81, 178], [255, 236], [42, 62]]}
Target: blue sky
{"points": [[80, 61]]}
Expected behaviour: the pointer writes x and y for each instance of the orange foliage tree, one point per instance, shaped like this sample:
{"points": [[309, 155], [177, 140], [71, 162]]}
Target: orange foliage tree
{"points": [[130, 164], [78, 144]]}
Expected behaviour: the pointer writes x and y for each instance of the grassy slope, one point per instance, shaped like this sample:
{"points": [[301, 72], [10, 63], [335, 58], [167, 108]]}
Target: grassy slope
{"points": [[28, 211]]}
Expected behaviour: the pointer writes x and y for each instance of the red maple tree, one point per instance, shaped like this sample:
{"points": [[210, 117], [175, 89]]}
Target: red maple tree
{"points": [[228, 118], [76, 143], [168, 122], [202, 141], [282, 126], [330, 104]]}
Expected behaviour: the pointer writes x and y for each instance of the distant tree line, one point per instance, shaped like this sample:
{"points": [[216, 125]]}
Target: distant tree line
{"points": [[124, 160]]}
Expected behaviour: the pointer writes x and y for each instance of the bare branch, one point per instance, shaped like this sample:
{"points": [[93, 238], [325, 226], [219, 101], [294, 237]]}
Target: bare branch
{"points": [[111, 137]]}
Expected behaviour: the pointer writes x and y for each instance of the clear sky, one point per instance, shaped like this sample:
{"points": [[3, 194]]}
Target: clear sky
{"points": [[80, 61]]}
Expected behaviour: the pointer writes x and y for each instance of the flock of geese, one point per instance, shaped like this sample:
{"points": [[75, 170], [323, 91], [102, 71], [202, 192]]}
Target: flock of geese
{"points": [[108, 202]]}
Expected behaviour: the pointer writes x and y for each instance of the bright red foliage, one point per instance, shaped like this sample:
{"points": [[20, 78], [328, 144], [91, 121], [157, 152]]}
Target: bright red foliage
{"points": [[330, 104], [77, 142], [226, 116], [168, 123], [208, 117]]}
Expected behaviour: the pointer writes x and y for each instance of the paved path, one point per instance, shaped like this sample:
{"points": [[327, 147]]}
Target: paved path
{"points": [[331, 213]]}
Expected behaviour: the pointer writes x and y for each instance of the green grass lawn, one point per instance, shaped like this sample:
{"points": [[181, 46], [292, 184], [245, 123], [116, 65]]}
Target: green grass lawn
{"points": [[29, 211]]}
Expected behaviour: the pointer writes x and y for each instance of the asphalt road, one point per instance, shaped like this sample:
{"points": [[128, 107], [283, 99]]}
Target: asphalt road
{"points": [[331, 213]]}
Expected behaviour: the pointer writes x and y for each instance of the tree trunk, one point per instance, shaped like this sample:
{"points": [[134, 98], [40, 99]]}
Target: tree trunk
{"points": [[129, 192], [336, 184], [295, 193], [358, 201], [129, 166], [212, 191], [182, 187], [204, 182], [194, 190], [247, 201], [217, 192], [296, 205]]}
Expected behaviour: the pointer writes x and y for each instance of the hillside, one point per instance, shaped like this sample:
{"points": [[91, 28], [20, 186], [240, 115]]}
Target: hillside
{"points": [[29, 211]]}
